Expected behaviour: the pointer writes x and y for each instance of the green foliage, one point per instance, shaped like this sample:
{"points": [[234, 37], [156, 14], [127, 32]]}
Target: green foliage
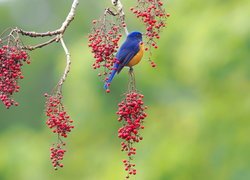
{"points": [[198, 96]]}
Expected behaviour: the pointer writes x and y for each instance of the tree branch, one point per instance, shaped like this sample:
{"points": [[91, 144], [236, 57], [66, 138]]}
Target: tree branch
{"points": [[61, 30], [56, 36], [70, 16]]}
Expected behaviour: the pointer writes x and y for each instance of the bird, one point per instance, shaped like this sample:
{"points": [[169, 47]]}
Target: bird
{"points": [[129, 54]]}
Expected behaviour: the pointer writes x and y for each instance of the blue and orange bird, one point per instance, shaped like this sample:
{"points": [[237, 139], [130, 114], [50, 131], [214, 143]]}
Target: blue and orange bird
{"points": [[129, 54]]}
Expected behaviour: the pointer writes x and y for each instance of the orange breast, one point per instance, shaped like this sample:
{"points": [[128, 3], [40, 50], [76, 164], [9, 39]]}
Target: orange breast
{"points": [[137, 58]]}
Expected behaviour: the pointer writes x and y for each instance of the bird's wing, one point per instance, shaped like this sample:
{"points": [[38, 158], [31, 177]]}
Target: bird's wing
{"points": [[127, 51]]}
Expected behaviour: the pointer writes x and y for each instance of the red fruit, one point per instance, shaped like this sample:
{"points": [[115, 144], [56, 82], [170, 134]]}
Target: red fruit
{"points": [[108, 90]]}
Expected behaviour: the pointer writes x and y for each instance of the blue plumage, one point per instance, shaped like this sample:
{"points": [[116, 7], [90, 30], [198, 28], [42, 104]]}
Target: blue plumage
{"points": [[124, 55]]}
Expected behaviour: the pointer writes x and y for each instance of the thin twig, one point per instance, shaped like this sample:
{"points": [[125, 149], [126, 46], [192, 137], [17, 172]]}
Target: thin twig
{"points": [[4, 31], [58, 32], [68, 62], [31, 48], [132, 83], [61, 30], [108, 10], [70, 16]]}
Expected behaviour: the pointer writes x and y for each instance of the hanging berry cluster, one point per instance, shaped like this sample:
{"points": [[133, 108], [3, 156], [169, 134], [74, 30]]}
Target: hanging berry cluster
{"points": [[60, 123], [12, 58], [103, 41], [131, 115], [57, 154], [153, 16]]}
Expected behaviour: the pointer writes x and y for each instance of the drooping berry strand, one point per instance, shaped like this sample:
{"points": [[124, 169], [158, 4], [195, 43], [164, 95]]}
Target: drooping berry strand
{"points": [[12, 59], [57, 154], [103, 40], [153, 16], [131, 113], [60, 123]]}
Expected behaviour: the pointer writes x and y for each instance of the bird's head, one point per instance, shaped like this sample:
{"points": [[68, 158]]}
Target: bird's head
{"points": [[135, 35]]}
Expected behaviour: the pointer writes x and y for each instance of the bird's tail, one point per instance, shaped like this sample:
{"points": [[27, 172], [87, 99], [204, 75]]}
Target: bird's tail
{"points": [[111, 76]]}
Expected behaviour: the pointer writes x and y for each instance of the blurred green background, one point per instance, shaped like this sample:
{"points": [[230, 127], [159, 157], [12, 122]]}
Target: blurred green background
{"points": [[198, 96]]}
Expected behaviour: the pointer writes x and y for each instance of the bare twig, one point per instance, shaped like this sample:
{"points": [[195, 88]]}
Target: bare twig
{"points": [[61, 30], [58, 32], [108, 10], [68, 62], [31, 48], [70, 16]]}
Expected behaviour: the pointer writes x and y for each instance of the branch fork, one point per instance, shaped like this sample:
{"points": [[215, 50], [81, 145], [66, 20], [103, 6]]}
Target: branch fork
{"points": [[56, 36]]}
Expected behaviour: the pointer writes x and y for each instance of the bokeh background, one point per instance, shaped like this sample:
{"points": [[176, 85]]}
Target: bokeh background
{"points": [[198, 96]]}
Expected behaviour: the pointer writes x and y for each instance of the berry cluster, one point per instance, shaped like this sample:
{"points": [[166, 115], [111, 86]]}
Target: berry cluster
{"points": [[57, 154], [131, 114], [11, 61], [154, 17], [60, 122], [103, 41]]}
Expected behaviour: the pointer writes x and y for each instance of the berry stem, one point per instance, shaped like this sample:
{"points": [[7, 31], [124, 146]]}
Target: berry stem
{"points": [[118, 4]]}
